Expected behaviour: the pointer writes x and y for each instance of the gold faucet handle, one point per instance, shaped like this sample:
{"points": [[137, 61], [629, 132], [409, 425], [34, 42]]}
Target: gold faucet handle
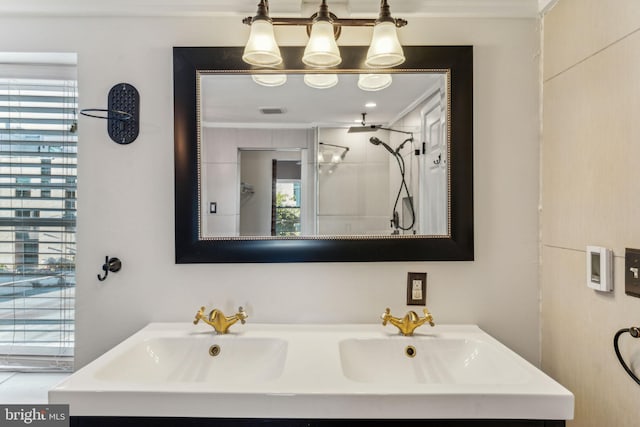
{"points": [[386, 316], [199, 316], [429, 317], [242, 315]]}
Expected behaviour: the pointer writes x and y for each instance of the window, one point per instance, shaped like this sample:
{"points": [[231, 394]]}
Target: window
{"points": [[287, 208], [22, 193], [38, 159]]}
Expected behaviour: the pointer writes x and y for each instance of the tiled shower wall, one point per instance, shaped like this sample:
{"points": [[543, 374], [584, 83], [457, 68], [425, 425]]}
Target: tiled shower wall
{"points": [[590, 183]]}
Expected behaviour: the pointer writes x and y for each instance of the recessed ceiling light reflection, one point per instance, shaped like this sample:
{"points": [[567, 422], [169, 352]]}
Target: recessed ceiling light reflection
{"points": [[373, 82], [269, 80], [371, 105], [321, 81]]}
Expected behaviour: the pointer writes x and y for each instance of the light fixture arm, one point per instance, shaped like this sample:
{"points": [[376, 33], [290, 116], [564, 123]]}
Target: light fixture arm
{"points": [[385, 13], [261, 14], [334, 145], [323, 13]]}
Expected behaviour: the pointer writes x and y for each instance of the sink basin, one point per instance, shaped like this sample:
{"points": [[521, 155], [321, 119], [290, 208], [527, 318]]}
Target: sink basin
{"points": [[427, 360], [189, 359]]}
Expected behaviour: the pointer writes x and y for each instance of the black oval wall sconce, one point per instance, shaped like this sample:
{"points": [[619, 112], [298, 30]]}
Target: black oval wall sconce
{"points": [[122, 113], [110, 265]]}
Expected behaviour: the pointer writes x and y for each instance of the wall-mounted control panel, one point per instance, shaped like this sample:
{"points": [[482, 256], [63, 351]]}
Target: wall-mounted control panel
{"points": [[600, 268], [632, 272], [416, 288]]}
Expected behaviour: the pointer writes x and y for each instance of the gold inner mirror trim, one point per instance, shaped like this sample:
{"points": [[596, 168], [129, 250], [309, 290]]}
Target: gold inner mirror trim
{"points": [[201, 237]]}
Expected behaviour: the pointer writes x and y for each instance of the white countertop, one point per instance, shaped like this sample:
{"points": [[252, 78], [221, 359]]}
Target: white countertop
{"points": [[132, 379]]}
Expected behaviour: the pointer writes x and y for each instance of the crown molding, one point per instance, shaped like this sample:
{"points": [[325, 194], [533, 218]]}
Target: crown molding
{"points": [[143, 7], [355, 8], [452, 8], [545, 6]]}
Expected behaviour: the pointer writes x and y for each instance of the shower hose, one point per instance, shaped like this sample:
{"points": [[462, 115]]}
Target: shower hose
{"points": [[635, 333]]}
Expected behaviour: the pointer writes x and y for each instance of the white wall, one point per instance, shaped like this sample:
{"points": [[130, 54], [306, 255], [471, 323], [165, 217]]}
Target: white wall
{"points": [[125, 201]]}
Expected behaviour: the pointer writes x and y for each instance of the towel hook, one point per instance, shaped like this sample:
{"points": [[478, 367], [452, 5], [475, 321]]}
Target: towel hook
{"points": [[110, 265], [635, 333]]}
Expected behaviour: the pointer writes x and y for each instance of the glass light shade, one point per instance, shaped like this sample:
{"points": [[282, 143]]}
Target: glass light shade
{"points": [[261, 49], [321, 81], [385, 49], [322, 50], [373, 82], [269, 80]]}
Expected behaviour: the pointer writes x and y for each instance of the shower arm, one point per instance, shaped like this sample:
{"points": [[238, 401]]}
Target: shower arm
{"points": [[401, 146]]}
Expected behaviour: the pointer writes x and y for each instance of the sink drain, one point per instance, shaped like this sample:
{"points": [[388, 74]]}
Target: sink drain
{"points": [[410, 351], [214, 350]]}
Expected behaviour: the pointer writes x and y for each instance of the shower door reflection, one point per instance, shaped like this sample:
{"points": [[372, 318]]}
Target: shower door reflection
{"points": [[389, 180]]}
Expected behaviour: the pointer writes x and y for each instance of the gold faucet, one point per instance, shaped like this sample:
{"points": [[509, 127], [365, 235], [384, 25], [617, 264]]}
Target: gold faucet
{"points": [[409, 322], [219, 321]]}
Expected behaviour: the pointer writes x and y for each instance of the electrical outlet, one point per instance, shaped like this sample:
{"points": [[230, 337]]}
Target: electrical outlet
{"points": [[417, 289]]}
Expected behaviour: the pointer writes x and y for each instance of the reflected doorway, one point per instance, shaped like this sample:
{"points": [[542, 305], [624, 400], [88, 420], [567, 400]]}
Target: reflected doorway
{"points": [[271, 192]]}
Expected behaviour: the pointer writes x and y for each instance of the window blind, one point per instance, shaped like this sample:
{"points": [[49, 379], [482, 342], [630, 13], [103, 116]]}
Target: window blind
{"points": [[38, 175]]}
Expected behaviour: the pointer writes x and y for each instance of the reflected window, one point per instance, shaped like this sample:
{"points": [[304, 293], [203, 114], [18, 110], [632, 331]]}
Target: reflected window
{"points": [[287, 208], [286, 198]]}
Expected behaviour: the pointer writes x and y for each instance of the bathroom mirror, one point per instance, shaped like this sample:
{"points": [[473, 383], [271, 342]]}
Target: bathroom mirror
{"points": [[346, 184], [303, 206]]}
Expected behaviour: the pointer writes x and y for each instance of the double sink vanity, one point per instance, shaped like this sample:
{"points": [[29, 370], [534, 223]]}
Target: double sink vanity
{"points": [[297, 374], [293, 375]]}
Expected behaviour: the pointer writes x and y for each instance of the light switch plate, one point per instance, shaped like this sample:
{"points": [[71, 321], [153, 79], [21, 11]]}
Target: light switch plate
{"points": [[417, 289], [632, 272]]}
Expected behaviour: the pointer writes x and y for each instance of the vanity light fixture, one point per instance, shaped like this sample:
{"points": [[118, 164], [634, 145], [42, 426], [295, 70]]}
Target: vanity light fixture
{"points": [[337, 156], [385, 50], [324, 28], [374, 82], [321, 81], [269, 80], [262, 49], [322, 50]]}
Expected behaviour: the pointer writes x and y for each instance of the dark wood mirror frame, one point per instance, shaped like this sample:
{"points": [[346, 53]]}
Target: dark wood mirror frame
{"points": [[190, 248]]}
